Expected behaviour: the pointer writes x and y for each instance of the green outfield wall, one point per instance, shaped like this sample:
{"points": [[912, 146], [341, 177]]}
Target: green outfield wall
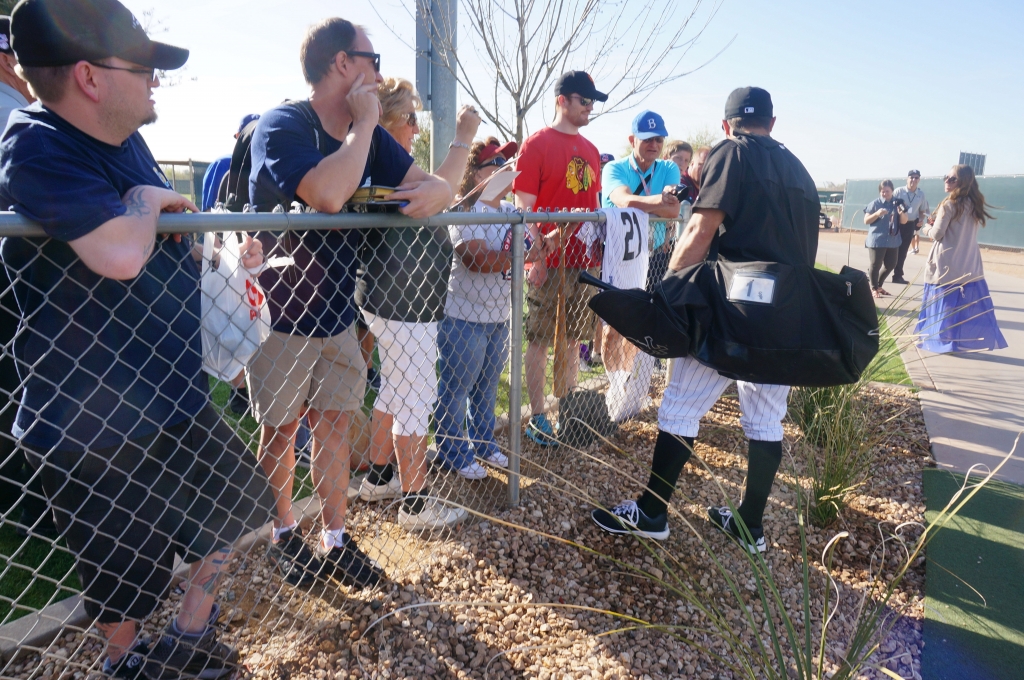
{"points": [[1003, 193]]}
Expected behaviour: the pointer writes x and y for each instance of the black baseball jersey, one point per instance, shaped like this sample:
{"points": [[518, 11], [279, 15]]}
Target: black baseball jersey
{"points": [[742, 177]]}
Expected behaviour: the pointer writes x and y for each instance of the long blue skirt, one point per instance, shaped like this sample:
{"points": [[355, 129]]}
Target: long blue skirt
{"points": [[958, 318]]}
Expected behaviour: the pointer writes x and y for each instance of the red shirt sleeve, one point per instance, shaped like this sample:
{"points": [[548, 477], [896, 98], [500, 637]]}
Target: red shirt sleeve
{"points": [[528, 165]]}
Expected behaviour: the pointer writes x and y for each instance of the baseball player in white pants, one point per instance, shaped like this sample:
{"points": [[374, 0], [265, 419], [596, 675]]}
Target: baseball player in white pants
{"points": [[732, 208]]}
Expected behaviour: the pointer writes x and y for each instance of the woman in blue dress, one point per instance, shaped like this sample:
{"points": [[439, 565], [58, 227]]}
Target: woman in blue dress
{"points": [[956, 311]]}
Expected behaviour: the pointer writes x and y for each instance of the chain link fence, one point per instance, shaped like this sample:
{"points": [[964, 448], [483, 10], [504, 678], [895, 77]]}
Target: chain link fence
{"points": [[409, 381]]}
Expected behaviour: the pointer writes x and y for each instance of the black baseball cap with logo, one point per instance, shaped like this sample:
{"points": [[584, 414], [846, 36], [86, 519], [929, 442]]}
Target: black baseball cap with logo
{"points": [[914, 173], [578, 82], [746, 102], [62, 32]]}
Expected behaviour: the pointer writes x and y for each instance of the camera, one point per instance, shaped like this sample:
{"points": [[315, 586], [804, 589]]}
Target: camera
{"points": [[681, 192], [898, 203]]}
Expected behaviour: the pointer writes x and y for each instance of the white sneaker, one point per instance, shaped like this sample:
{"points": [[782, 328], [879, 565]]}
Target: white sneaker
{"points": [[497, 459], [379, 492], [434, 515], [474, 471]]}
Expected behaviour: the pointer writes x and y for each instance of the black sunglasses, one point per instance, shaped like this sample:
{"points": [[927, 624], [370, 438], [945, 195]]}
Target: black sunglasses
{"points": [[584, 101], [496, 161], [148, 72], [368, 55], [412, 120], [951, 180]]}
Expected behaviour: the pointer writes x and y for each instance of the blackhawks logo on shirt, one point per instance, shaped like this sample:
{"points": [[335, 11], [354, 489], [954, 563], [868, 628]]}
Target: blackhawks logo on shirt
{"points": [[579, 176]]}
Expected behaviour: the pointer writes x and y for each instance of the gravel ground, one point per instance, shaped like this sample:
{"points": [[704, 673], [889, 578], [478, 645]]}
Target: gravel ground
{"points": [[539, 592]]}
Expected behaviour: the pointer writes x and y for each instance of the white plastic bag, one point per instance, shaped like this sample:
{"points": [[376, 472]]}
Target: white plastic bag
{"points": [[236, 318]]}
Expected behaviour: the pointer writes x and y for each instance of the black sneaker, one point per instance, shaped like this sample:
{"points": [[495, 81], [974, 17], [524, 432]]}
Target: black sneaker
{"points": [[628, 518], [293, 558], [201, 657], [239, 402], [352, 566], [900, 280], [722, 519], [130, 665]]}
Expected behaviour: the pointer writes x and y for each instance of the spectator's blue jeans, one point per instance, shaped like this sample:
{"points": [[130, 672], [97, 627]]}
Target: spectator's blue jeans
{"points": [[472, 356]]}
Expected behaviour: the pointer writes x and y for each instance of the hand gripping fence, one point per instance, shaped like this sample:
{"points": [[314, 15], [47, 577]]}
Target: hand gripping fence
{"points": [[424, 370]]}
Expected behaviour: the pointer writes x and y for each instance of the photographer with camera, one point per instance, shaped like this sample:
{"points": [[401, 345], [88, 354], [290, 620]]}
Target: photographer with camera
{"points": [[917, 211], [883, 217]]}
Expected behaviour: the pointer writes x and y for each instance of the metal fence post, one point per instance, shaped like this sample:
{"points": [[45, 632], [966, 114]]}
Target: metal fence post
{"points": [[515, 371]]}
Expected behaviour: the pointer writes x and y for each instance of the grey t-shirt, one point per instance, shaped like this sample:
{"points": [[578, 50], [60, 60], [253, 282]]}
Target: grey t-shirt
{"points": [[916, 202], [477, 296], [403, 273]]}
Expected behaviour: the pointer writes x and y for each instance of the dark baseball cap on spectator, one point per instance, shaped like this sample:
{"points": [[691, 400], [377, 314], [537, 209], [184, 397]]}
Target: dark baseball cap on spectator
{"points": [[648, 124], [506, 151], [578, 82], [606, 158], [746, 102], [63, 32], [246, 119], [5, 35], [914, 173]]}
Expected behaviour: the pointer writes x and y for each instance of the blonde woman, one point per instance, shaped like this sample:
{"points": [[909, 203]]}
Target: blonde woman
{"points": [[401, 292], [956, 312]]}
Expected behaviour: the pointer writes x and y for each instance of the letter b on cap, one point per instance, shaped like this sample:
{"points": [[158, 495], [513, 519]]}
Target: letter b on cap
{"points": [[748, 109]]}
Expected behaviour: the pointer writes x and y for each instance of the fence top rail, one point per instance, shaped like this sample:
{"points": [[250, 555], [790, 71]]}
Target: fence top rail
{"points": [[13, 224]]}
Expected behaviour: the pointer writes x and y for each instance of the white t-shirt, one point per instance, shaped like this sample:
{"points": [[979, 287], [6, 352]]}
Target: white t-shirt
{"points": [[476, 296]]}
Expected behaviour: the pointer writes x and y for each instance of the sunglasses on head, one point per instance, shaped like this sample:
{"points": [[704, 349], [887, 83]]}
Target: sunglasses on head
{"points": [[369, 55], [497, 161]]}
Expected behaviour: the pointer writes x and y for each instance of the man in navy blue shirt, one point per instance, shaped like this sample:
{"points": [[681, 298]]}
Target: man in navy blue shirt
{"points": [[135, 463], [317, 153]]}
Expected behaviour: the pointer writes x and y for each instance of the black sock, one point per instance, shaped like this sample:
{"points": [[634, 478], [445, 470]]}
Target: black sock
{"points": [[765, 458], [380, 474], [414, 501], [670, 455]]}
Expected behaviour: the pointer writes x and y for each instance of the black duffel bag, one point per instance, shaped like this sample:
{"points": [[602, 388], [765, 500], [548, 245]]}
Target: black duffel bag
{"points": [[781, 324], [762, 322]]}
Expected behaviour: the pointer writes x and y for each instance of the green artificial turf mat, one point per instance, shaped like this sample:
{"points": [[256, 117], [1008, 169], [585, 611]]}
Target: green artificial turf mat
{"points": [[976, 635]]}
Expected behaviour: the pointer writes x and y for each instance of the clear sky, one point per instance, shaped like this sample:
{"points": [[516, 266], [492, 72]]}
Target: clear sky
{"points": [[861, 89]]}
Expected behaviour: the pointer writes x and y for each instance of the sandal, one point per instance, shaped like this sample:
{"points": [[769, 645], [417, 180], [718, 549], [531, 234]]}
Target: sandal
{"points": [[876, 293], [883, 292]]}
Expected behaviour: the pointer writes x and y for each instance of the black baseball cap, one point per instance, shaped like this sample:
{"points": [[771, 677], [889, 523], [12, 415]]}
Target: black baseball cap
{"points": [[578, 82], [62, 32], [749, 101], [914, 173], [5, 35]]}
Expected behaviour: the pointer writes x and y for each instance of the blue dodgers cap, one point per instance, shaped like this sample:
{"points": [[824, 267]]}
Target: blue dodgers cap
{"points": [[648, 124]]}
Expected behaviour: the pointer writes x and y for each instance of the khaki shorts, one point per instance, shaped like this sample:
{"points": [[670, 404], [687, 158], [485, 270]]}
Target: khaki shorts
{"points": [[327, 374], [542, 307]]}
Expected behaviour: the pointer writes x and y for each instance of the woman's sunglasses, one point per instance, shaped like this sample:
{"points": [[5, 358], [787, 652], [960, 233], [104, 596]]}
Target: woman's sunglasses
{"points": [[497, 161], [412, 119], [949, 180]]}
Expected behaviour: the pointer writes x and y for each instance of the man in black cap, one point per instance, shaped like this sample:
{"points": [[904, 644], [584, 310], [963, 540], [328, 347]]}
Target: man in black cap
{"points": [[915, 204], [748, 180], [115, 411], [559, 170]]}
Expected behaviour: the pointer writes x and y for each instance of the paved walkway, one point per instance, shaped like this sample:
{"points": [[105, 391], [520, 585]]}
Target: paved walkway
{"points": [[973, 403]]}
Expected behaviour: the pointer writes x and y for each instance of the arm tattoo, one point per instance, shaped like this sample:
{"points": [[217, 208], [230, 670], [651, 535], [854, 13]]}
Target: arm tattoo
{"points": [[136, 205]]}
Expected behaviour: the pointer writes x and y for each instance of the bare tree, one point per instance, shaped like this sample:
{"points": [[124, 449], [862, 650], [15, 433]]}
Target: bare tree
{"points": [[631, 48], [704, 136]]}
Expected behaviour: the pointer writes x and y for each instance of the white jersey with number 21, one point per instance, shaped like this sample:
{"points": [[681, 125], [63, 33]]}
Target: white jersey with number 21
{"points": [[626, 245]]}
